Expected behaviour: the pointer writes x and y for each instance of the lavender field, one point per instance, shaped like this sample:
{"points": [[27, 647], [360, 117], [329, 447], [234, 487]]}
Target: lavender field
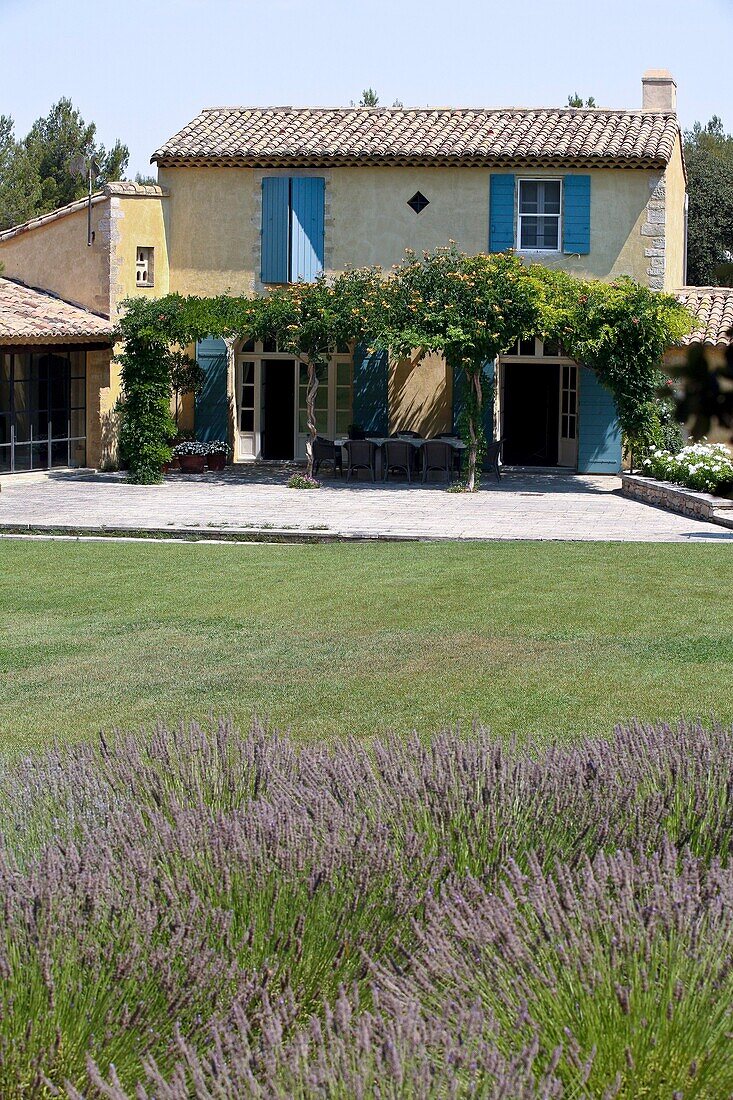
{"points": [[218, 915]]}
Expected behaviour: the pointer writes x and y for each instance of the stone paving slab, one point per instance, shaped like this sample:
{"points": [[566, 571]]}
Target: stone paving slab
{"points": [[256, 503]]}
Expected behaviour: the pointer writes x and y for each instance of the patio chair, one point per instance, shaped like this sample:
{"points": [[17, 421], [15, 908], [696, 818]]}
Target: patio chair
{"points": [[325, 450], [361, 454], [398, 455], [457, 453], [491, 459], [437, 455]]}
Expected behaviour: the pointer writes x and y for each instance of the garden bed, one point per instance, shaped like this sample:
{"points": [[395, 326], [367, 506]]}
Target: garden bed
{"points": [[677, 498]]}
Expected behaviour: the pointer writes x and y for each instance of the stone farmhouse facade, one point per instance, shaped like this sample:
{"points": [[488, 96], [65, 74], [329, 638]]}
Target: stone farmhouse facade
{"points": [[254, 197]]}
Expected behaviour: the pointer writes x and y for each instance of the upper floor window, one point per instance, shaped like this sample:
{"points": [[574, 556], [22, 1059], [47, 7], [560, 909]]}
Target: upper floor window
{"points": [[539, 214], [293, 217]]}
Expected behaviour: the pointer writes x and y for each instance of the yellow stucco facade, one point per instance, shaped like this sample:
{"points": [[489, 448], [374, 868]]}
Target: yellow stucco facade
{"points": [[214, 220], [54, 255], [204, 227]]}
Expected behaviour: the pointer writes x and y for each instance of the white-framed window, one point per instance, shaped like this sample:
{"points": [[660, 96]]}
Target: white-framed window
{"points": [[144, 265], [539, 215]]}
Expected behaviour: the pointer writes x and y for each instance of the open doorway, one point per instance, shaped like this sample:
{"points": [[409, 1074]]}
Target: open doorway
{"points": [[531, 414], [278, 409]]}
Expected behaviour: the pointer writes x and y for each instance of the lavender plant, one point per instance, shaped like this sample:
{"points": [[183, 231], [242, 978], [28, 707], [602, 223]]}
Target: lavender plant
{"points": [[483, 918]]}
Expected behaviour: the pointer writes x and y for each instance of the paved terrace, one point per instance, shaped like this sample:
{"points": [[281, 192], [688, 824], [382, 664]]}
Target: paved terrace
{"points": [[255, 502]]}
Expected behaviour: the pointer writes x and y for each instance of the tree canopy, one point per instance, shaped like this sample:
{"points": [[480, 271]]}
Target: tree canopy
{"points": [[709, 159], [34, 171]]}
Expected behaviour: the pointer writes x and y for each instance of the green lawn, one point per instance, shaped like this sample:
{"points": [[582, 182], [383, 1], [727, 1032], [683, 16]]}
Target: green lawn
{"points": [[357, 639]]}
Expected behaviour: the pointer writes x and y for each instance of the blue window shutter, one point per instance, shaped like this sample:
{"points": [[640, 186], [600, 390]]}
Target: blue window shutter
{"points": [[212, 405], [501, 212], [275, 219], [371, 401], [576, 215], [307, 200], [599, 434]]}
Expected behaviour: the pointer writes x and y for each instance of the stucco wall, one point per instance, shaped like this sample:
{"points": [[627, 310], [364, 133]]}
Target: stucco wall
{"points": [[137, 221], [674, 274], [102, 392], [212, 233], [420, 396], [56, 257], [215, 220]]}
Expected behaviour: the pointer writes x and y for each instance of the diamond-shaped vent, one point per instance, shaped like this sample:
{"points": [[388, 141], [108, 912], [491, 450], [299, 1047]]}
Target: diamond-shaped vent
{"points": [[418, 202]]}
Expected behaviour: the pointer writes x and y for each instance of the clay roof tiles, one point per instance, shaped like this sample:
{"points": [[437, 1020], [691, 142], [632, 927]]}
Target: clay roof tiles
{"points": [[322, 136], [712, 307], [30, 316]]}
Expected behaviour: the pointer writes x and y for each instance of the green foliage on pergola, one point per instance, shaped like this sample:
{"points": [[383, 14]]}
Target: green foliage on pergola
{"points": [[470, 309]]}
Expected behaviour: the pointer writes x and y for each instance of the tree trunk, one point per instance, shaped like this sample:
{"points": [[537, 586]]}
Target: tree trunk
{"points": [[475, 412], [310, 412]]}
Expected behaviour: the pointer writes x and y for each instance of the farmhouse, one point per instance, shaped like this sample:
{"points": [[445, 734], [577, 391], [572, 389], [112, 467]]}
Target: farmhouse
{"points": [[249, 198]]}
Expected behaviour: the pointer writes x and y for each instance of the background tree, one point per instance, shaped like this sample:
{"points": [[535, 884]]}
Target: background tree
{"points": [[709, 159], [20, 188], [34, 172], [470, 309], [576, 100], [369, 98]]}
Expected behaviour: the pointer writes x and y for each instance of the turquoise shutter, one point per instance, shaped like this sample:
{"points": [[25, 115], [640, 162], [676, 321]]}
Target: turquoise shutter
{"points": [[599, 435], [275, 221], [212, 405], [371, 380], [307, 201], [576, 215], [501, 212]]}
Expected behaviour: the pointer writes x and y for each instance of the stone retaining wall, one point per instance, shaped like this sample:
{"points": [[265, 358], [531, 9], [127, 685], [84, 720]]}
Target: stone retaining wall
{"points": [[676, 498]]}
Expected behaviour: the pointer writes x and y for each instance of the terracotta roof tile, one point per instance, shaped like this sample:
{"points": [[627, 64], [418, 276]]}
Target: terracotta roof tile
{"points": [[35, 316], [320, 136], [712, 307]]}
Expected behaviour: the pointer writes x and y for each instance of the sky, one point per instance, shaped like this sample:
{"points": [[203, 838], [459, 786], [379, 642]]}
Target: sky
{"points": [[144, 68]]}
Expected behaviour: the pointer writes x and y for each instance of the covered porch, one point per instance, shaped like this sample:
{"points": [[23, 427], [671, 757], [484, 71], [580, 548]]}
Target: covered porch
{"points": [[549, 412]]}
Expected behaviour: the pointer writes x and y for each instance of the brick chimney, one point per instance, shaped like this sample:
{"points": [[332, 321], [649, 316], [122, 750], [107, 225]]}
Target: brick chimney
{"points": [[659, 91]]}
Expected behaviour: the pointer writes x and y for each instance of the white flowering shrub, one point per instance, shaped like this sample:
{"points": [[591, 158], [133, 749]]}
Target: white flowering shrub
{"points": [[702, 466]]}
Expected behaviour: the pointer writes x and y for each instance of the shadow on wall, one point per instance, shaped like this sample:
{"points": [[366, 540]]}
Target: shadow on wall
{"points": [[109, 458], [420, 396]]}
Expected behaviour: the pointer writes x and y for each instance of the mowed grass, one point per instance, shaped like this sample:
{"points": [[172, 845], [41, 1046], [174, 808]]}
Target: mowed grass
{"points": [[360, 639]]}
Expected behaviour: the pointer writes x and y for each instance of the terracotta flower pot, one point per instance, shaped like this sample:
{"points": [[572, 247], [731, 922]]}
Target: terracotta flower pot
{"points": [[192, 464], [216, 461]]}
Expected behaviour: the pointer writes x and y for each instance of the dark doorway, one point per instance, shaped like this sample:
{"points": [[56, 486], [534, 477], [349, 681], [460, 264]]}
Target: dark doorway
{"points": [[278, 404], [531, 398]]}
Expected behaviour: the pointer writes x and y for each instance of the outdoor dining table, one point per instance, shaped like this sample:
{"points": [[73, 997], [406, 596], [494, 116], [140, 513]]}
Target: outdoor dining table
{"points": [[379, 441]]}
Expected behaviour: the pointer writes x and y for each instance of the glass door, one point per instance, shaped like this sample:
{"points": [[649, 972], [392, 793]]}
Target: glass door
{"points": [[42, 409], [248, 413], [568, 443]]}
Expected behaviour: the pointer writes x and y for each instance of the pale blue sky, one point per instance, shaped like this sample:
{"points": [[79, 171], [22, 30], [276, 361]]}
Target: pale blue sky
{"points": [[142, 68]]}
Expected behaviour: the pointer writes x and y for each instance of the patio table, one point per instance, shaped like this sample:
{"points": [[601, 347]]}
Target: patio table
{"points": [[379, 441]]}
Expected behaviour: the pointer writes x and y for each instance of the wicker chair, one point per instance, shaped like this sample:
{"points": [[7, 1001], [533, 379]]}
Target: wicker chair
{"points": [[361, 454], [457, 452], [491, 460], [437, 455], [325, 450], [398, 455]]}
